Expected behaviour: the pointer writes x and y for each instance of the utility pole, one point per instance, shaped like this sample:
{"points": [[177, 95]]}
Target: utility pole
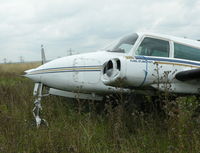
{"points": [[21, 59], [4, 60], [70, 51]]}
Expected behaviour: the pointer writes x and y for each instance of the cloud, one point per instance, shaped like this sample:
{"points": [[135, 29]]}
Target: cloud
{"points": [[87, 25]]}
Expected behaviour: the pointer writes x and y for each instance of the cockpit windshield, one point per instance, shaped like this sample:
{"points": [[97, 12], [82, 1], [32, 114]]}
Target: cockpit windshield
{"points": [[124, 44]]}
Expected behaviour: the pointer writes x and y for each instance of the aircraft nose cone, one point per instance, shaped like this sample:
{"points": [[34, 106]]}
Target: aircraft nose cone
{"points": [[31, 75], [28, 71]]}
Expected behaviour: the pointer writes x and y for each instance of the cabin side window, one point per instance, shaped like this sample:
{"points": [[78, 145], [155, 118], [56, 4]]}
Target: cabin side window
{"points": [[186, 52], [153, 47]]}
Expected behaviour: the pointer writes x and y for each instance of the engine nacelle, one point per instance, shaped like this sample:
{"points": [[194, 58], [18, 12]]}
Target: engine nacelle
{"points": [[122, 72], [113, 71]]}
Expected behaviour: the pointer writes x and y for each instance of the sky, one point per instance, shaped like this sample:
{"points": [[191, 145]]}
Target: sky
{"points": [[87, 25]]}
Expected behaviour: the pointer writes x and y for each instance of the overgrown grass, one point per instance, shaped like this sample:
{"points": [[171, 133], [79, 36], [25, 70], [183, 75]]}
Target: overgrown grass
{"points": [[17, 68], [76, 127]]}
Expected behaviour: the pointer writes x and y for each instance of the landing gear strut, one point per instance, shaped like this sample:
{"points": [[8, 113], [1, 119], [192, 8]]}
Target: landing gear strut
{"points": [[38, 93]]}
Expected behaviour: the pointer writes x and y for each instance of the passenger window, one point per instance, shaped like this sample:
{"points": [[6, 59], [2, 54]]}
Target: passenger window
{"points": [[186, 52], [153, 47]]}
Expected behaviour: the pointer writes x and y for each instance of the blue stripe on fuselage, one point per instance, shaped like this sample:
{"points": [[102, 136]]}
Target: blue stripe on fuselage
{"points": [[68, 67], [168, 60], [64, 71]]}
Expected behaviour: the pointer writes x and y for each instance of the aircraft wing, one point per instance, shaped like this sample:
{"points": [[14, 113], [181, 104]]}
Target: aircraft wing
{"points": [[188, 75], [68, 94]]}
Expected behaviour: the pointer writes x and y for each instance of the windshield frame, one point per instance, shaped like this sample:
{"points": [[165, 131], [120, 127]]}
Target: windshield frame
{"points": [[127, 41]]}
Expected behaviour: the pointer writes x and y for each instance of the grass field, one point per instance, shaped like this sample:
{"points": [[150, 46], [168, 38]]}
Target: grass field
{"points": [[76, 127]]}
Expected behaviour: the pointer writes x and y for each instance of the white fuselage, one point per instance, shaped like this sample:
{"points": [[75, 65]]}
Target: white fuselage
{"points": [[84, 72], [76, 73], [142, 72]]}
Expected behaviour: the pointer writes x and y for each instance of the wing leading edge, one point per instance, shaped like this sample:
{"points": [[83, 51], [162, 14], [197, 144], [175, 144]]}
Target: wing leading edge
{"points": [[188, 75]]}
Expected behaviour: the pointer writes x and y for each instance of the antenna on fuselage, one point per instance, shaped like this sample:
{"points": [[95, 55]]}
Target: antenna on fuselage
{"points": [[43, 55]]}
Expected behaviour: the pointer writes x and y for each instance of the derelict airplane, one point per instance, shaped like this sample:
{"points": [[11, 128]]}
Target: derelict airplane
{"points": [[139, 61]]}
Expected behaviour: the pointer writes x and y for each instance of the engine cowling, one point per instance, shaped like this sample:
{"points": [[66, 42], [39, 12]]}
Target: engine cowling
{"points": [[123, 72], [114, 72]]}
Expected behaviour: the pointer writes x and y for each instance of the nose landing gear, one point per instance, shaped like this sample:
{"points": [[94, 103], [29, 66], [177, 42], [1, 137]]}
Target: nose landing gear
{"points": [[38, 92]]}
